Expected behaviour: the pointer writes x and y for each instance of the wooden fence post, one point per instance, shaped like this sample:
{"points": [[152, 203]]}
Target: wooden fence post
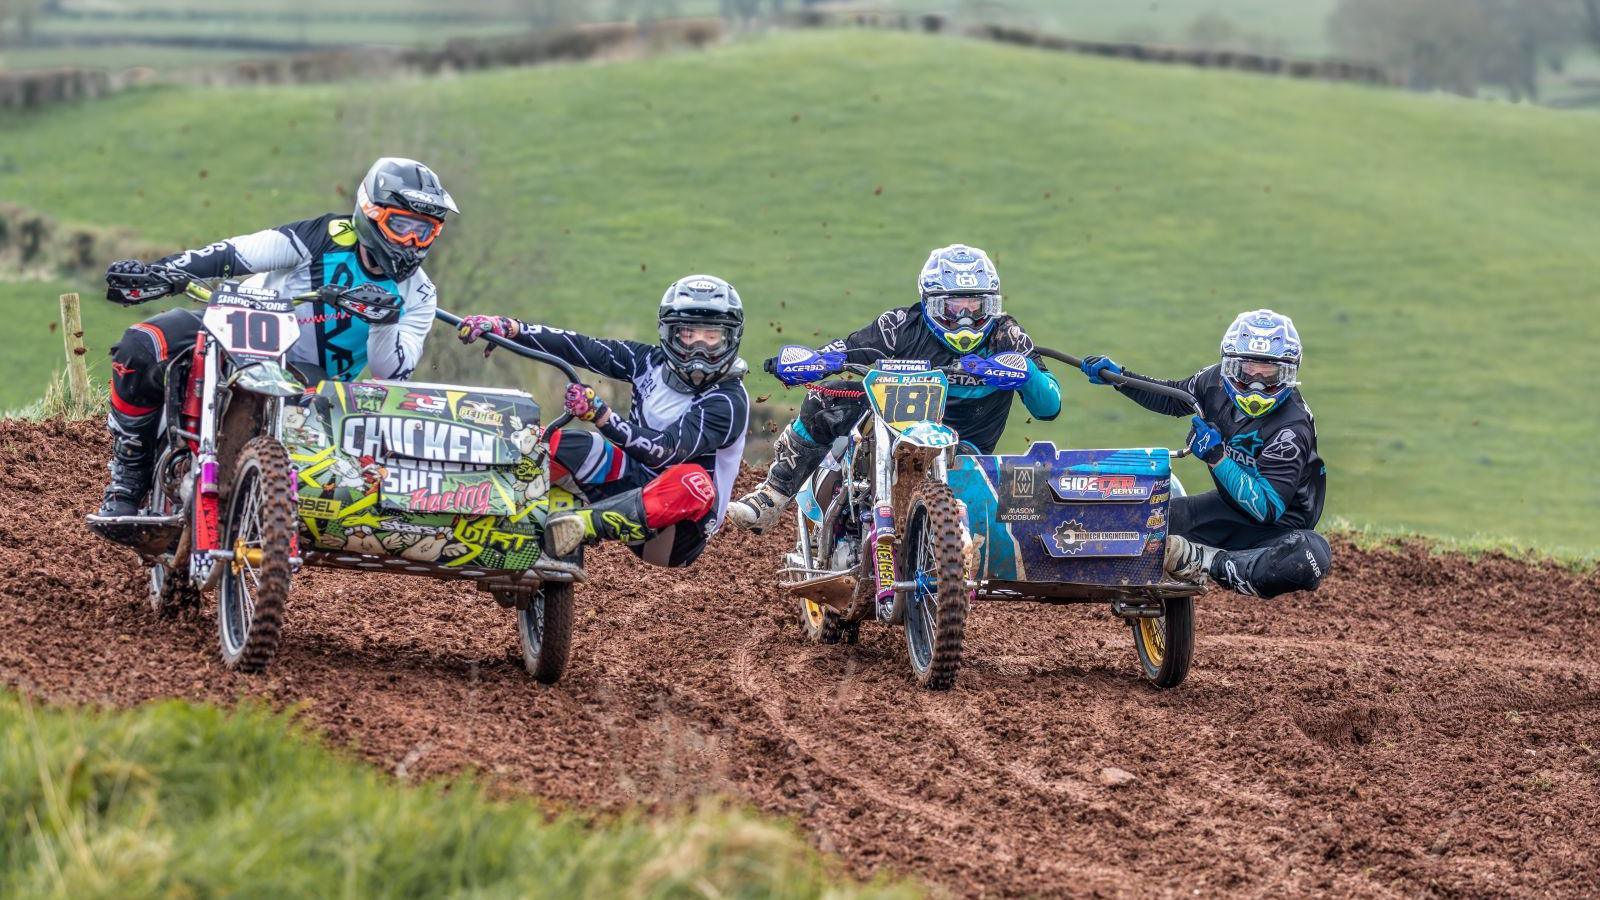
{"points": [[72, 336]]}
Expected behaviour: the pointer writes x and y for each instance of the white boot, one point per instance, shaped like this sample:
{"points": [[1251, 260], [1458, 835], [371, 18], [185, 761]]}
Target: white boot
{"points": [[1187, 560], [758, 510]]}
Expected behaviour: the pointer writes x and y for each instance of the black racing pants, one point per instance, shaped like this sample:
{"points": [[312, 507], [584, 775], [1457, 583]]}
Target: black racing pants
{"points": [[1256, 559], [139, 361]]}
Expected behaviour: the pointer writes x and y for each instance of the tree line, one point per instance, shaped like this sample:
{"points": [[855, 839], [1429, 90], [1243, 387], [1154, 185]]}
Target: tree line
{"points": [[1462, 46]]}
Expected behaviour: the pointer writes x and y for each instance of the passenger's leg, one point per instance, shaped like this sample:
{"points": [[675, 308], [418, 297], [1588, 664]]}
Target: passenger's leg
{"points": [[1295, 560]]}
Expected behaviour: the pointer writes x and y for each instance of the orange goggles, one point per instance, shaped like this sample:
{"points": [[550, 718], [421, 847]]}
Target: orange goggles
{"points": [[402, 226]]}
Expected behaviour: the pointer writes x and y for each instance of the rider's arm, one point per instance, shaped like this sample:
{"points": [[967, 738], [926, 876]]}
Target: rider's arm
{"points": [[622, 360], [1160, 403], [874, 342], [247, 254], [1263, 491], [393, 350], [1041, 393], [714, 421]]}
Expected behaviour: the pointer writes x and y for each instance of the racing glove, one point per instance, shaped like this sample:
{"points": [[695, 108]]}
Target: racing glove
{"points": [[583, 403], [474, 327], [1095, 366], [801, 365], [1007, 371], [1205, 441], [129, 283]]}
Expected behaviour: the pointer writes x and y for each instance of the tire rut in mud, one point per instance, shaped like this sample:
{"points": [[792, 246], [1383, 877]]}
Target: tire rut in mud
{"points": [[1419, 726]]}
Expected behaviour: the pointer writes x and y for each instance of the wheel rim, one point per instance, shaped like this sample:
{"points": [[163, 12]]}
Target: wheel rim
{"points": [[924, 598], [812, 613], [1153, 640], [241, 579], [533, 623]]}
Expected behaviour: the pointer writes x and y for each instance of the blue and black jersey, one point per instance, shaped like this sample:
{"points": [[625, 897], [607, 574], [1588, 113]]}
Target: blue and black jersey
{"points": [[977, 412], [302, 256], [1271, 471]]}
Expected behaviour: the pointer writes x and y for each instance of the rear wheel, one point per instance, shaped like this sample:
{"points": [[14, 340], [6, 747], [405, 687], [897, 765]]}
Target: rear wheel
{"points": [[1166, 645], [171, 591], [259, 530], [936, 611], [544, 627]]}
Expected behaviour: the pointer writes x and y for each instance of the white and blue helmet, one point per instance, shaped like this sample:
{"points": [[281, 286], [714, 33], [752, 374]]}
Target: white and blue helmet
{"points": [[960, 291], [1260, 361]]}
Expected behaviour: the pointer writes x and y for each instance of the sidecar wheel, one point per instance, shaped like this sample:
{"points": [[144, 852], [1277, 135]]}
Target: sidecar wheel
{"points": [[259, 528], [822, 624], [936, 611], [544, 627], [1166, 645]]}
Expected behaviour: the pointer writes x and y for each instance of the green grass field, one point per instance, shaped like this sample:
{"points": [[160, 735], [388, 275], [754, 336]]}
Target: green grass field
{"points": [[1435, 253], [175, 800]]}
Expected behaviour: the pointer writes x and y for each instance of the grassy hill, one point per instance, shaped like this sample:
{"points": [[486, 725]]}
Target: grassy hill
{"points": [[1436, 254]]}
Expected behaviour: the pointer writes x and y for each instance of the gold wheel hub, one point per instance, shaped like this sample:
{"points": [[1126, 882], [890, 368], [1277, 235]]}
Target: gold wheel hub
{"points": [[813, 612], [243, 555]]}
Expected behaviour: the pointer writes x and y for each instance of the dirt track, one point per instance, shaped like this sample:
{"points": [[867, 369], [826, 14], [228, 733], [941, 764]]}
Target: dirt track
{"points": [[1420, 726]]}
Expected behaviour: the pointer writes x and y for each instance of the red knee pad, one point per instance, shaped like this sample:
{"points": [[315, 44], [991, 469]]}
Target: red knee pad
{"points": [[683, 493]]}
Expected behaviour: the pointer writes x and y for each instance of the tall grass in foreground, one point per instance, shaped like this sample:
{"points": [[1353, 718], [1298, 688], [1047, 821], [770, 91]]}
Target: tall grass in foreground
{"points": [[180, 800], [58, 402]]}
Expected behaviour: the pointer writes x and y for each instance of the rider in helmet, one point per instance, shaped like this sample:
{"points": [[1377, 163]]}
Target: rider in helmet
{"points": [[399, 212], [958, 318], [658, 478], [1253, 533]]}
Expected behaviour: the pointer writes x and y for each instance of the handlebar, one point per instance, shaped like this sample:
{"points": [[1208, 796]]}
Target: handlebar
{"points": [[454, 321], [1134, 381]]}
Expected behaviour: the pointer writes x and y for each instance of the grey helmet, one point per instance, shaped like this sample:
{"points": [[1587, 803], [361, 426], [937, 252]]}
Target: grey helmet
{"points": [[400, 210], [701, 321]]}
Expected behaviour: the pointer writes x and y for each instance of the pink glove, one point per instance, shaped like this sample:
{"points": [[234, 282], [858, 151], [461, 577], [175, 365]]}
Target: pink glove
{"points": [[584, 403], [474, 327]]}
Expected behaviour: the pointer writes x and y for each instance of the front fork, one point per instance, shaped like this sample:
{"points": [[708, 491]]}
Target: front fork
{"points": [[881, 536]]}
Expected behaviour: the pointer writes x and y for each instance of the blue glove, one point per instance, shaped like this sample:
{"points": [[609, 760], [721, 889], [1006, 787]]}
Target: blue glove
{"points": [[801, 365], [1093, 366], [1205, 442], [1008, 371]]}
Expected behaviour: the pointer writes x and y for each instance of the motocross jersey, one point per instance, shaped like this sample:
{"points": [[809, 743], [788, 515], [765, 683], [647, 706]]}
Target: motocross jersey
{"points": [[1270, 470], [977, 412], [303, 256], [664, 426]]}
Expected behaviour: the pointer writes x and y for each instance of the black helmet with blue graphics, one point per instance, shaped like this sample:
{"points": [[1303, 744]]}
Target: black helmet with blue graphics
{"points": [[960, 291], [700, 320], [1260, 361]]}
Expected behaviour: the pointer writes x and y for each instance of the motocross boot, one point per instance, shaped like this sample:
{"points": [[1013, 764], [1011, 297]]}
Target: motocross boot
{"points": [[1187, 560], [619, 518], [133, 462], [793, 460]]}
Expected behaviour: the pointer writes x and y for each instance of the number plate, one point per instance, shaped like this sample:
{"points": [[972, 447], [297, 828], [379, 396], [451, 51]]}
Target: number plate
{"points": [[904, 399], [251, 323]]}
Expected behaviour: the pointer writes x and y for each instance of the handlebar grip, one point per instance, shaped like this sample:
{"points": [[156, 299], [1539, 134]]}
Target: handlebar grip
{"points": [[566, 369], [770, 366]]}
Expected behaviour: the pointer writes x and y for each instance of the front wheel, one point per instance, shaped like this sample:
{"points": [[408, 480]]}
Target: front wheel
{"points": [[936, 612], [259, 530], [544, 628], [1166, 645]]}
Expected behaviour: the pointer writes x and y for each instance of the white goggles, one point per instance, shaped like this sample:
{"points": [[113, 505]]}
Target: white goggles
{"points": [[1259, 375], [952, 308]]}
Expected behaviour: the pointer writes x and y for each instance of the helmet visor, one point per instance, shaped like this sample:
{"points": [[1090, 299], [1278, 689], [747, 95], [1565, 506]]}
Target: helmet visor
{"points": [[692, 340], [951, 309], [402, 226], [1264, 376]]}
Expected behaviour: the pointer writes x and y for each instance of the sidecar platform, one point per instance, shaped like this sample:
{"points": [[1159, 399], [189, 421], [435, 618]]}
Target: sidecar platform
{"points": [[1066, 526]]}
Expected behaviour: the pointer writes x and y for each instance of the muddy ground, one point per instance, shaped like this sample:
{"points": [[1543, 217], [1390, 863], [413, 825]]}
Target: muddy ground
{"points": [[1420, 726]]}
